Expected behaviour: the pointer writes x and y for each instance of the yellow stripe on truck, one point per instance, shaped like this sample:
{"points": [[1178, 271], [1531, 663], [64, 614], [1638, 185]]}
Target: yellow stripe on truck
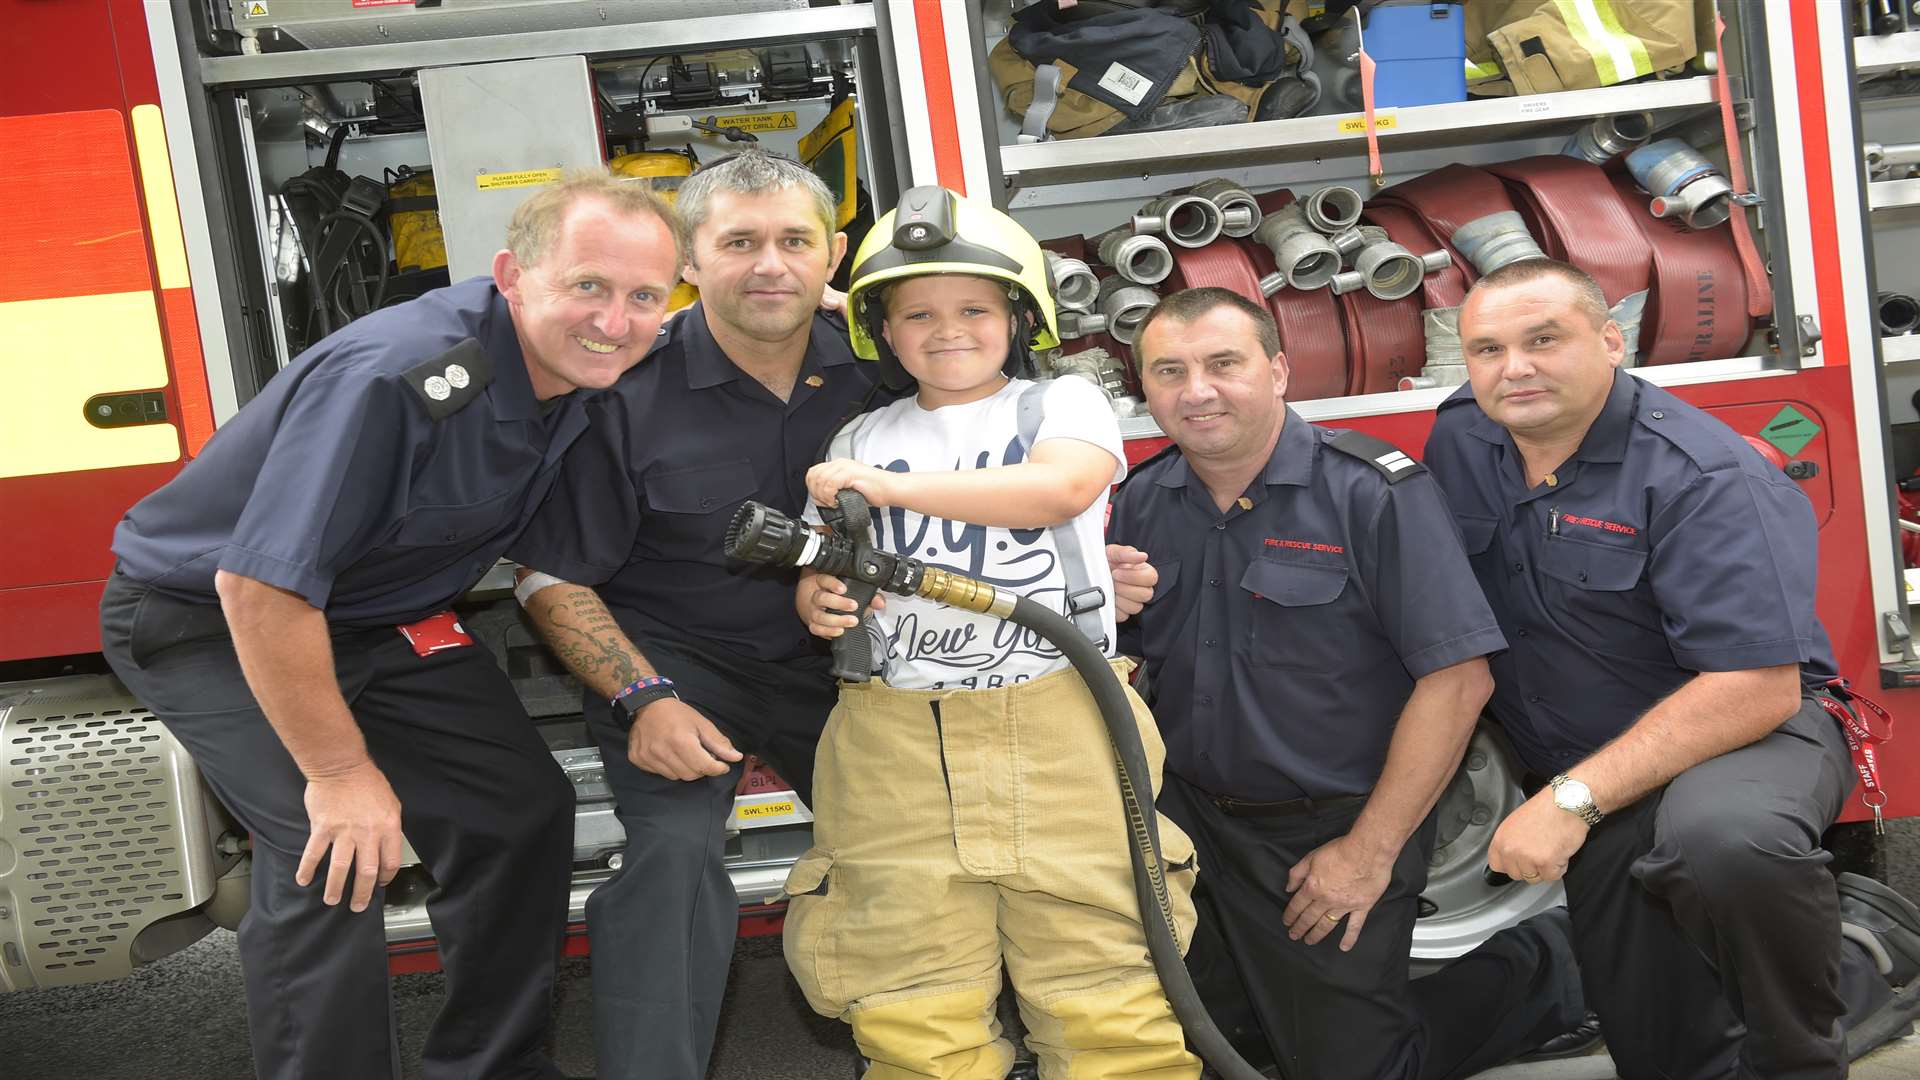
{"points": [[63, 351], [156, 181]]}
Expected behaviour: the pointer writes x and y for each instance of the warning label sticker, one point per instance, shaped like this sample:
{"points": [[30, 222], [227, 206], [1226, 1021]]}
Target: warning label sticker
{"points": [[1358, 125], [522, 178], [765, 121], [256, 10], [766, 810], [1790, 430]]}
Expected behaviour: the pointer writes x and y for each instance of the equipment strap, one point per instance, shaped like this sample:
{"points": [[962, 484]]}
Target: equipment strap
{"points": [[1839, 701], [1073, 558]]}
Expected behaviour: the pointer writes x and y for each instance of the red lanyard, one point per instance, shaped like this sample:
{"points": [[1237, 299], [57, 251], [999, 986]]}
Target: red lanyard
{"points": [[1839, 702]]}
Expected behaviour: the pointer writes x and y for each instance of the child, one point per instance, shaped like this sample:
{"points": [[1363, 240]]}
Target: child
{"points": [[966, 806]]}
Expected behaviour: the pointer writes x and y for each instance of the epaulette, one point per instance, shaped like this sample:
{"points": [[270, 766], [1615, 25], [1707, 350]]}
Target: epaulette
{"points": [[449, 382], [1166, 451], [1387, 459], [1705, 440]]}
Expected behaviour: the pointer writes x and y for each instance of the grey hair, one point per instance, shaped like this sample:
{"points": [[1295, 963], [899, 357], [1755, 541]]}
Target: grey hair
{"points": [[752, 172], [1588, 296]]}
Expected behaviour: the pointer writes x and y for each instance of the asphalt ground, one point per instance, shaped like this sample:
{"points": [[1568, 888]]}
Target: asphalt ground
{"points": [[184, 1018]]}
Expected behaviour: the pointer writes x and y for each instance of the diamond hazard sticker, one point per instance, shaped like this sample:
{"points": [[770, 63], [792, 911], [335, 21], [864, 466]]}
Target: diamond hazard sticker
{"points": [[1790, 430]]}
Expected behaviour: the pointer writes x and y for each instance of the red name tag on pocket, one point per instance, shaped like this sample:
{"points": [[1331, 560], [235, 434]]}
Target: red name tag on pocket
{"points": [[436, 633]]}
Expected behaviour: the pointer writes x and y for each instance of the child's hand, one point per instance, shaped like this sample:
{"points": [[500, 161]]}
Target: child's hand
{"points": [[824, 606], [828, 478]]}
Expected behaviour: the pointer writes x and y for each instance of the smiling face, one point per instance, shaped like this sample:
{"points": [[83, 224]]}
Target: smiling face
{"points": [[588, 309], [762, 261], [952, 333], [1211, 386], [1539, 364]]}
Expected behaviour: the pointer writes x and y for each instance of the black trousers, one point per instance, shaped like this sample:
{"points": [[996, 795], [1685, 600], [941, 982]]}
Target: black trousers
{"points": [[1321, 1012], [482, 801], [663, 927], [1706, 921]]}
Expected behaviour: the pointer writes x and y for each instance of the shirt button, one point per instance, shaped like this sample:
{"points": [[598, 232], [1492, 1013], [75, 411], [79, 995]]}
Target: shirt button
{"points": [[1519, 568], [704, 503], [1219, 524], [1582, 575], [1215, 582], [1522, 632], [1206, 700], [1658, 415], [1211, 642], [1533, 699]]}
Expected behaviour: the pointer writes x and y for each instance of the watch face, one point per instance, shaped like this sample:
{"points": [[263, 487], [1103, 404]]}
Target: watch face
{"points": [[1571, 794]]}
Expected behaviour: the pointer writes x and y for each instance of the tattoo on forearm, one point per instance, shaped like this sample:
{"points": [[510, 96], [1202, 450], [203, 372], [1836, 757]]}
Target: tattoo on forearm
{"points": [[580, 630]]}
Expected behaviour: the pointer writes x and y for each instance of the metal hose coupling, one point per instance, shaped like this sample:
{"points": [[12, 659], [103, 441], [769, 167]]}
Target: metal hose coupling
{"points": [[1607, 137], [1349, 243], [1305, 258], [1187, 220], [1495, 240], [1239, 213], [1685, 184], [1333, 209], [1143, 260], [1389, 271], [1074, 285], [1125, 306]]}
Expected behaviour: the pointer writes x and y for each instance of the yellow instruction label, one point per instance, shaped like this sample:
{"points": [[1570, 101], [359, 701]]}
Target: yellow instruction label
{"points": [[760, 121], [772, 809], [522, 178], [1358, 125]]}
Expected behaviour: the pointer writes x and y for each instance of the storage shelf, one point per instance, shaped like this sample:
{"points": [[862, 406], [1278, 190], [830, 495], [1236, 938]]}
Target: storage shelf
{"points": [[375, 61], [1886, 194], [1885, 52], [1900, 350], [1308, 137]]}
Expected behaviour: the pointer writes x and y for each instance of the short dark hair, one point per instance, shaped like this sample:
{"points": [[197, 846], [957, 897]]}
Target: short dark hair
{"points": [[1189, 304], [1588, 296]]}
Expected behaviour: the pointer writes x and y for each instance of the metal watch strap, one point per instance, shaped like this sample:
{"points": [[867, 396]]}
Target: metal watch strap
{"points": [[1589, 813]]}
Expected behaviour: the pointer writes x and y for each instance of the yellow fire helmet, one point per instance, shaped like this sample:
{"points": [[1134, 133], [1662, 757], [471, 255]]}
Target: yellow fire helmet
{"points": [[934, 231], [663, 170]]}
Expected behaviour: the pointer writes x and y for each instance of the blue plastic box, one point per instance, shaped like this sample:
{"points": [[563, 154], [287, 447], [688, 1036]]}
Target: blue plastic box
{"points": [[1419, 51]]}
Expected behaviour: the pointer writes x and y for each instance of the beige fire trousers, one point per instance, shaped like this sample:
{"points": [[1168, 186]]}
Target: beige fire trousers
{"points": [[956, 829]]}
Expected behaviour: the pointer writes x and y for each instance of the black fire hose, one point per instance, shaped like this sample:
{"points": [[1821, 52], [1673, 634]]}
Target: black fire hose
{"points": [[761, 534]]}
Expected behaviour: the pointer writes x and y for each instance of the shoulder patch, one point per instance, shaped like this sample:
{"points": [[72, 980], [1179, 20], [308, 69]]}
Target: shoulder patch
{"points": [[1387, 459], [1158, 458], [449, 382]]}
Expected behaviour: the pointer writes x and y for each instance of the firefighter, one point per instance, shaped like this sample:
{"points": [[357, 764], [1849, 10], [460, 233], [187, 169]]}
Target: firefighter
{"points": [[1654, 578], [1316, 649], [282, 606]]}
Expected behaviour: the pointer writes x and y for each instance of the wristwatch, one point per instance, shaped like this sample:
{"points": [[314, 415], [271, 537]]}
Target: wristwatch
{"points": [[639, 694], [1575, 798]]}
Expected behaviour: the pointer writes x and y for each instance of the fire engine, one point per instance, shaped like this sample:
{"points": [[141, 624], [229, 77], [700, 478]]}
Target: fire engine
{"points": [[196, 190]]}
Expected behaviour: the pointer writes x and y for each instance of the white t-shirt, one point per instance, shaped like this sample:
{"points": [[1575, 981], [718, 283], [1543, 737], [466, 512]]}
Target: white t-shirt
{"points": [[931, 646]]}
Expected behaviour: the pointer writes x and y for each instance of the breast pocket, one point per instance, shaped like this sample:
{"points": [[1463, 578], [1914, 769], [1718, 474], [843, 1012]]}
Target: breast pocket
{"points": [[1476, 533], [1599, 593], [1297, 612], [453, 526], [1160, 619], [694, 505]]}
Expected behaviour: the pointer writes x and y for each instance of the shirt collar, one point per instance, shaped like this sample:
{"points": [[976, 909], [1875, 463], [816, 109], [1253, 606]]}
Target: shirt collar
{"points": [[511, 391], [708, 364], [1606, 437], [1290, 463]]}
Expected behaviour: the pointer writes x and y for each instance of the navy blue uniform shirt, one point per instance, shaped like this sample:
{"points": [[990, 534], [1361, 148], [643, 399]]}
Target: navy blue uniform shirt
{"points": [[379, 476], [643, 512], [1283, 640], [1665, 546]]}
